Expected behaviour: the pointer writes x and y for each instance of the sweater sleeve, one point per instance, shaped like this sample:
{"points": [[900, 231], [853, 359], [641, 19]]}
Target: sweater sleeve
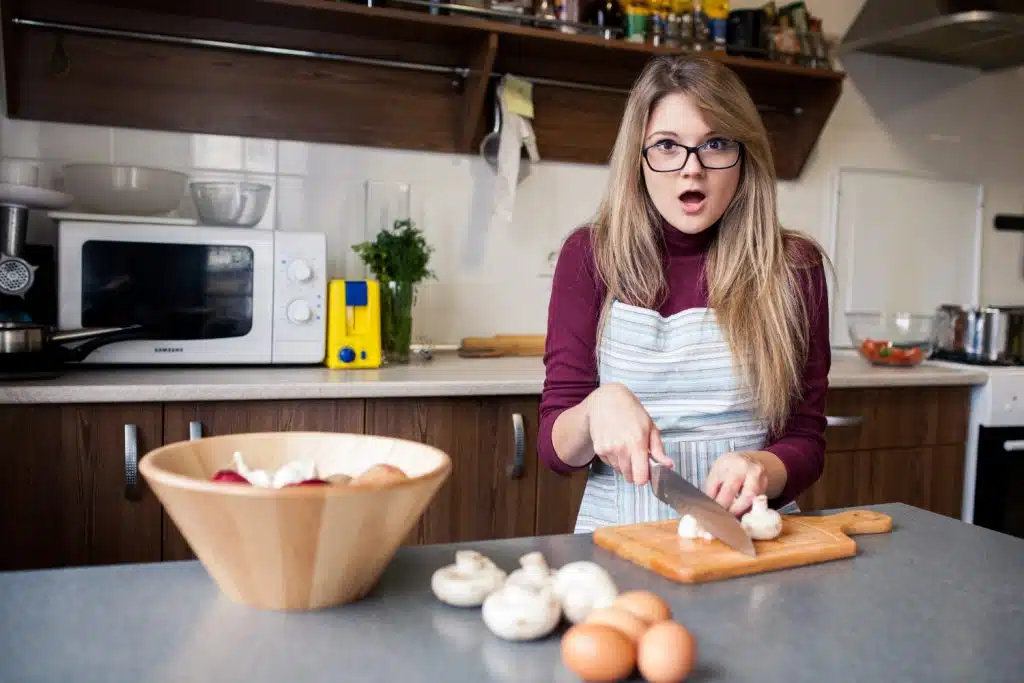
{"points": [[570, 365], [801, 445]]}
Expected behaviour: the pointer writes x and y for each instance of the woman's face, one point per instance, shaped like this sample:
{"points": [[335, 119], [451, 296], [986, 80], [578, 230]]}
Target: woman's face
{"points": [[691, 198]]}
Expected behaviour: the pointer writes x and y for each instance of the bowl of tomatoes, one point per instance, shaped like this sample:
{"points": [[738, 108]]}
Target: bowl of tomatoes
{"points": [[892, 339]]}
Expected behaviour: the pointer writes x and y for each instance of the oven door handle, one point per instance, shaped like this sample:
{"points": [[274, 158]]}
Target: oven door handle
{"points": [[1011, 446]]}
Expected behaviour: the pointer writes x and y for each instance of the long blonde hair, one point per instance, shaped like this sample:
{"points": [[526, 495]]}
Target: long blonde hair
{"points": [[753, 265]]}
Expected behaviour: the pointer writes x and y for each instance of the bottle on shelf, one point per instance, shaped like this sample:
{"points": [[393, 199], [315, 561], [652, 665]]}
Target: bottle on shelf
{"points": [[701, 29], [638, 14], [607, 14], [717, 15]]}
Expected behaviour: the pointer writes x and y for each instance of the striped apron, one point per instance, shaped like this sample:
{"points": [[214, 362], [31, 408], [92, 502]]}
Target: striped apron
{"points": [[681, 370]]}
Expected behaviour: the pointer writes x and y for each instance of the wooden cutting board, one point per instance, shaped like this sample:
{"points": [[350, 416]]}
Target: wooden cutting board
{"points": [[502, 345], [804, 540]]}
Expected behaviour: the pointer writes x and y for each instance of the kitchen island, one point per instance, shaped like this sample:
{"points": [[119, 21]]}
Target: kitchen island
{"points": [[934, 600]]}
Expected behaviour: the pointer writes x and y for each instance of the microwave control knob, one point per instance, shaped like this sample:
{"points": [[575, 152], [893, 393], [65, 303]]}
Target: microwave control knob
{"points": [[300, 271], [299, 311]]}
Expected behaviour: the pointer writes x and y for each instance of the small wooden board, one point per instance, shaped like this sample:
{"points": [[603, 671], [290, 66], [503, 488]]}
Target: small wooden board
{"points": [[804, 540], [502, 345]]}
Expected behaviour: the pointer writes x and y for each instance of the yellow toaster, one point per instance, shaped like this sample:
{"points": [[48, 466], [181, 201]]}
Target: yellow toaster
{"points": [[353, 324]]}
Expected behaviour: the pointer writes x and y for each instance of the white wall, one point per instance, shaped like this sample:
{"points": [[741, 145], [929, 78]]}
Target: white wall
{"points": [[894, 115]]}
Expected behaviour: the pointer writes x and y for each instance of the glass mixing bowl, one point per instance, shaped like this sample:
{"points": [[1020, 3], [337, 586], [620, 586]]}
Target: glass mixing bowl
{"points": [[892, 339]]}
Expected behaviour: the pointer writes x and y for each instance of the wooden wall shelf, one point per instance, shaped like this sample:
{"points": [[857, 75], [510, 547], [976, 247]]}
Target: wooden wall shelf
{"points": [[338, 72]]}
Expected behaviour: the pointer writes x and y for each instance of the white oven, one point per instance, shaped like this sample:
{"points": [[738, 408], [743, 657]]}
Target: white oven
{"points": [[204, 295]]}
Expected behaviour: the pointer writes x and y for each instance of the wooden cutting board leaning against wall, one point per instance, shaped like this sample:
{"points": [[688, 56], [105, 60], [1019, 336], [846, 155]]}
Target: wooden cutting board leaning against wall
{"points": [[502, 345], [805, 539]]}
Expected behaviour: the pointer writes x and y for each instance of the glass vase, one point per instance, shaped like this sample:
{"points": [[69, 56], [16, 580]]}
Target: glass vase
{"points": [[396, 303]]}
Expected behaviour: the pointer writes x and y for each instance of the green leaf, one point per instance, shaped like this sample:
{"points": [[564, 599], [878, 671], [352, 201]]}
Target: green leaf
{"points": [[399, 254]]}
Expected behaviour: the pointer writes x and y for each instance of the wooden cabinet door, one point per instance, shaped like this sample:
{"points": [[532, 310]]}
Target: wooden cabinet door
{"points": [[491, 492], [894, 445], [64, 494], [558, 500], [186, 420]]}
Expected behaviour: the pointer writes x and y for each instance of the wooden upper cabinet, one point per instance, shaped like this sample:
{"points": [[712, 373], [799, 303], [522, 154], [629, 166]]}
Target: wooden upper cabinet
{"points": [[66, 497], [491, 492], [376, 67], [183, 421]]}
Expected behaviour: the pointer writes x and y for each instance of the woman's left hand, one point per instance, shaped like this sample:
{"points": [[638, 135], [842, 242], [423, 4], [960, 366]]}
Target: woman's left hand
{"points": [[734, 480]]}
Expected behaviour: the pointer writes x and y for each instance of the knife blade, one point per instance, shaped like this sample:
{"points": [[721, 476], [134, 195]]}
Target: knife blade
{"points": [[685, 498]]}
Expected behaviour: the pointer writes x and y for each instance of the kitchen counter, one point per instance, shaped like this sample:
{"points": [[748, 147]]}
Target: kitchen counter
{"points": [[445, 375], [936, 600]]}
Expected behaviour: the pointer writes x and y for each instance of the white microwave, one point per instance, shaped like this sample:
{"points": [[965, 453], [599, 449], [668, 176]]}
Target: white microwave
{"points": [[203, 295]]}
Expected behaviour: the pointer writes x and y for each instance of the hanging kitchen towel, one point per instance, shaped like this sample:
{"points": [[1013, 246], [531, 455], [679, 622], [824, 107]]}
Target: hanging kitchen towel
{"points": [[515, 97]]}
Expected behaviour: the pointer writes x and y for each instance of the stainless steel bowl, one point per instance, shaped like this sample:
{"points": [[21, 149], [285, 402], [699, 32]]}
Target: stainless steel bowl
{"points": [[238, 204]]}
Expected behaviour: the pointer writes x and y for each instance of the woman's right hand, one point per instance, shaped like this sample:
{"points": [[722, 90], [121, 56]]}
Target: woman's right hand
{"points": [[623, 435]]}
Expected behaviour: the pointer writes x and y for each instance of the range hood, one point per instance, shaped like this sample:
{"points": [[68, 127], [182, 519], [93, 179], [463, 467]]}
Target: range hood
{"points": [[980, 34]]}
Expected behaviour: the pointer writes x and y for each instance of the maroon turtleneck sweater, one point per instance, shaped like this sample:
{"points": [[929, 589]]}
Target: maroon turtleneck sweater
{"points": [[577, 295]]}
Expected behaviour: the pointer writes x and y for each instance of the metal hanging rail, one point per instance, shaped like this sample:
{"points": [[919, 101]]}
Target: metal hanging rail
{"points": [[453, 71]]}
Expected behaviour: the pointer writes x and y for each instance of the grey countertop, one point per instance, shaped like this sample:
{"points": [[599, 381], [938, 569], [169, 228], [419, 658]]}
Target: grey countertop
{"points": [[445, 375], [936, 600]]}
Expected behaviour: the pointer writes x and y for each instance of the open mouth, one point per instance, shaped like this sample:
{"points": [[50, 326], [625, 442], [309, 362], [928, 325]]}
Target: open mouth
{"points": [[692, 200]]}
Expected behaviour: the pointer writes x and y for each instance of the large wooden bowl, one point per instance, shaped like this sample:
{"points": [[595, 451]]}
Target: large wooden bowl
{"points": [[303, 547]]}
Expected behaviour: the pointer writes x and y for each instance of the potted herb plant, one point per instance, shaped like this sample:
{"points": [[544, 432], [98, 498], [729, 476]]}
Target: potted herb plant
{"points": [[398, 258]]}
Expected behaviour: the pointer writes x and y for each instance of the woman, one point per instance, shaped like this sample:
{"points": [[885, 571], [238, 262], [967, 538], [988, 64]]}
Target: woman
{"points": [[685, 324]]}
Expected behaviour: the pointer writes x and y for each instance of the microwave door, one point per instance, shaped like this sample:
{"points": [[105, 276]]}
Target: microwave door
{"points": [[167, 288], [201, 301]]}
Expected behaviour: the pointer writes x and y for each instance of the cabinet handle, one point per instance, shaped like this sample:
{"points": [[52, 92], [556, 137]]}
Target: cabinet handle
{"points": [[131, 463], [1011, 446], [518, 466], [844, 421], [195, 430]]}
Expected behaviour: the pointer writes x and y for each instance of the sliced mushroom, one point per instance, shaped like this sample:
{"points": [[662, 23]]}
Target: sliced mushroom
{"points": [[522, 610], [689, 527], [582, 587], [468, 581]]}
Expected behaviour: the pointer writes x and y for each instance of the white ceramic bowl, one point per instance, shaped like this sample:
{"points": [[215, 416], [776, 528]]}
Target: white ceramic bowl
{"points": [[125, 189]]}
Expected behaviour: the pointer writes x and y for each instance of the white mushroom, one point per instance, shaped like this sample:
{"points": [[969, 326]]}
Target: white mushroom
{"points": [[522, 610], [533, 570], [467, 582], [294, 473], [260, 478], [689, 527], [761, 522], [582, 587]]}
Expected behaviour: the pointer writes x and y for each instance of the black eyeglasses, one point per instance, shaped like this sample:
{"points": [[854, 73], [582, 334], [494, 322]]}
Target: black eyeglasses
{"points": [[666, 156]]}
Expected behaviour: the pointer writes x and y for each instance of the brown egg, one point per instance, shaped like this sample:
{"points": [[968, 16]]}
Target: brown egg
{"points": [[339, 478], [666, 653], [379, 475], [645, 605], [596, 652], [626, 622]]}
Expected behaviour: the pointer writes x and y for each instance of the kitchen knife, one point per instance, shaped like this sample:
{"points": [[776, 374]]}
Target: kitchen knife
{"points": [[685, 498]]}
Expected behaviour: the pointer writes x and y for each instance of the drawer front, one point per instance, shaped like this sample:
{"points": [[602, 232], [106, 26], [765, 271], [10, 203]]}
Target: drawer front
{"points": [[897, 417]]}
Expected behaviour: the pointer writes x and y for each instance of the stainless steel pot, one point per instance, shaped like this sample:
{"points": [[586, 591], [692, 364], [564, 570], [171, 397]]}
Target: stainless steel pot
{"points": [[34, 339], [992, 334]]}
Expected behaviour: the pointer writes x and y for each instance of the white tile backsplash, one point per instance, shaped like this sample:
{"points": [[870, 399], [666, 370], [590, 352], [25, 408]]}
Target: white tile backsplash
{"points": [[152, 148], [217, 152], [893, 115]]}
